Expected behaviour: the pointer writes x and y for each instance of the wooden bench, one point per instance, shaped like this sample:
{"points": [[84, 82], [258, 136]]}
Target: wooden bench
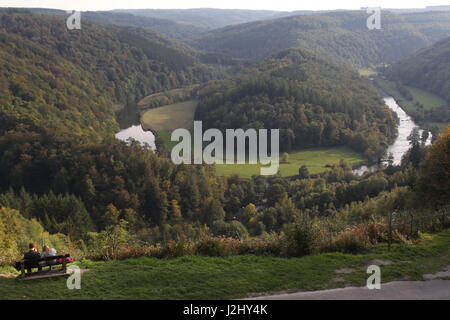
{"points": [[50, 262]]}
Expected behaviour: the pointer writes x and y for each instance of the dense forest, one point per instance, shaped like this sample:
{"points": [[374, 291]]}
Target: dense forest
{"points": [[76, 80], [341, 36], [428, 69], [135, 199], [312, 101], [63, 171]]}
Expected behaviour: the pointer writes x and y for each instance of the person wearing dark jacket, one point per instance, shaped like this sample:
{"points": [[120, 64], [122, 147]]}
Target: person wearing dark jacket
{"points": [[32, 255]]}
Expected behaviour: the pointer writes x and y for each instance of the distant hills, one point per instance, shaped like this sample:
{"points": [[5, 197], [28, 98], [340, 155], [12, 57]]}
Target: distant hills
{"points": [[167, 27], [341, 35], [252, 35], [207, 18]]}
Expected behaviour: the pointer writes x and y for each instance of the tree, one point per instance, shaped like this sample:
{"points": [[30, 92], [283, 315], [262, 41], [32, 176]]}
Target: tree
{"points": [[212, 211], [111, 216], [390, 159], [434, 173], [249, 213], [175, 213], [414, 156], [286, 211], [303, 172], [275, 193]]}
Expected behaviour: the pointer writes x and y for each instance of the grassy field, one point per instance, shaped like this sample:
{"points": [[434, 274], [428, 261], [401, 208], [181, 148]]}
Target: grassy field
{"points": [[170, 117], [316, 161], [197, 277], [367, 72], [427, 99]]}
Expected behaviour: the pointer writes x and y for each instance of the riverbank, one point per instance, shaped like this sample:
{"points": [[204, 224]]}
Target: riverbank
{"points": [[164, 119], [416, 104]]}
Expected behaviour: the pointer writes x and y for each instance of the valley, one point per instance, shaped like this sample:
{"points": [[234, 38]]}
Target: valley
{"points": [[360, 117]]}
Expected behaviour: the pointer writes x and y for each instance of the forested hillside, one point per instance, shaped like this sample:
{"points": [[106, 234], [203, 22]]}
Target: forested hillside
{"points": [[77, 79], [59, 91], [428, 69], [314, 102], [170, 28], [339, 35]]}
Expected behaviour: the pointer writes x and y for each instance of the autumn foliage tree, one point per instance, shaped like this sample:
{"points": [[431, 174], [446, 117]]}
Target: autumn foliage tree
{"points": [[434, 176]]}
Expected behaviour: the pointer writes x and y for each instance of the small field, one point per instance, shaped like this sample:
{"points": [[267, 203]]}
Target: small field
{"points": [[316, 160], [200, 277], [367, 72], [170, 117], [427, 99]]}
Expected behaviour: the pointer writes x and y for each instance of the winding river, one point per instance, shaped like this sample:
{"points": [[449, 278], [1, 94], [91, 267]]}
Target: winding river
{"points": [[398, 148], [137, 133], [401, 144]]}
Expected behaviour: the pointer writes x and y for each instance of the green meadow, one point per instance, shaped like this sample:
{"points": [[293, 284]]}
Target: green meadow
{"points": [[170, 117], [316, 160], [201, 277], [367, 72]]}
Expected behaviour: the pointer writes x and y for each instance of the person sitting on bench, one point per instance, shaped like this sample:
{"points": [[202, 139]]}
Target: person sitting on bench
{"points": [[31, 255], [48, 252]]}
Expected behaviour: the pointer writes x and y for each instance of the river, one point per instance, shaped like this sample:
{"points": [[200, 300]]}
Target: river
{"points": [[401, 144], [137, 133]]}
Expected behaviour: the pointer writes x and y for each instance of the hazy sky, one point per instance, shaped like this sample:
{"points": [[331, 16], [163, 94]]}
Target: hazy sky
{"points": [[282, 5]]}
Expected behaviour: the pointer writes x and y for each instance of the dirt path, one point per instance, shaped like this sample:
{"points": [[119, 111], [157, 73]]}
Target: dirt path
{"points": [[409, 290]]}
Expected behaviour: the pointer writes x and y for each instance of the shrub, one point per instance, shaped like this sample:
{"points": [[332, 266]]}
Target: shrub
{"points": [[175, 249], [300, 239], [351, 240], [213, 247]]}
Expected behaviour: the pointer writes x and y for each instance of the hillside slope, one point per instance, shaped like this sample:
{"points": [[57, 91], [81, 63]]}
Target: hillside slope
{"points": [[77, 79], [339, 35], [428, 69], [170, 28]]}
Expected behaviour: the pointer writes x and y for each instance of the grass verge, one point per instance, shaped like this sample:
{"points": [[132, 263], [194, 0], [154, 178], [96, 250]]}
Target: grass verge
{"points": [[198, 277]]}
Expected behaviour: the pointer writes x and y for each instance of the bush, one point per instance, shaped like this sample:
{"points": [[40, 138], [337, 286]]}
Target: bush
{"points": [[352, 240], [175, 249], [300, 239], [213, 247]]}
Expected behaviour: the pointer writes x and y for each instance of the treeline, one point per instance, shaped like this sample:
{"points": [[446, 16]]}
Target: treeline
{"points": [[312, 101]]}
